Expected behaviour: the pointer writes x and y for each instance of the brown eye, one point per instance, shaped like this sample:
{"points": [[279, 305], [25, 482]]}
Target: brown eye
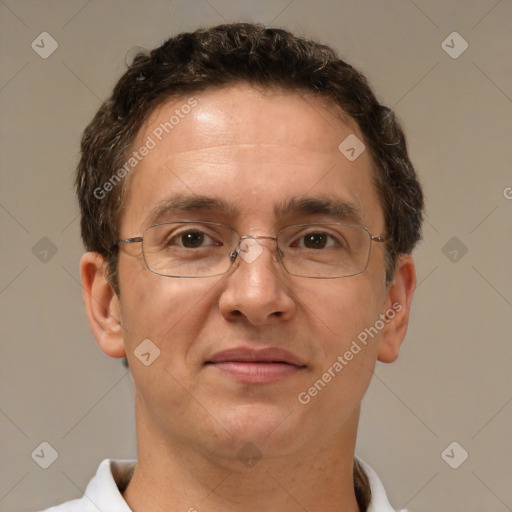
{"points": [[192, 239], [315, 240]]}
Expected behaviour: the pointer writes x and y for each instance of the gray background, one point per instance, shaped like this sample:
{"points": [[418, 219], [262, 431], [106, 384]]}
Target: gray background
{"points": [[450, 382]]}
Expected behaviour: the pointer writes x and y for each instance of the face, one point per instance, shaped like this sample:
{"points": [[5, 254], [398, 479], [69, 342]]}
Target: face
{"points": [[217, 382]]}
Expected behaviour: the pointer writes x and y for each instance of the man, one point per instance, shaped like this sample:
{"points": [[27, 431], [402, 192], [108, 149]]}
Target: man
{"points": [[249, 210]]}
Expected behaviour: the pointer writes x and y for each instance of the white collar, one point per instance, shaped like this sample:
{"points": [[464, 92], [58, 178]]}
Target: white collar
{"points": [[103, 493], [379, 501]]}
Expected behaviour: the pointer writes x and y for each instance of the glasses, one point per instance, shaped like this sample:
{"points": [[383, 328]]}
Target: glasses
{"points": [[189, 249]]}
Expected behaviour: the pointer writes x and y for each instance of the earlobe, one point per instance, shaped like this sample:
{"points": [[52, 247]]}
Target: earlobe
{"points": [[398, 306], [102, 305]]}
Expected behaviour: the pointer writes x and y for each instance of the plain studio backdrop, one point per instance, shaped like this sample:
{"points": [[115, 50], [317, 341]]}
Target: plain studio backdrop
{"points": [[436, 424]]}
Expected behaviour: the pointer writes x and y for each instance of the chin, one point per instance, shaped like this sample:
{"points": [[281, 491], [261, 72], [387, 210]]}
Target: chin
{"points": [[266, 426]]}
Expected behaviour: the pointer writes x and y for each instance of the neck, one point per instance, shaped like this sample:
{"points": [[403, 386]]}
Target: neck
{"points": [[174, 475]]}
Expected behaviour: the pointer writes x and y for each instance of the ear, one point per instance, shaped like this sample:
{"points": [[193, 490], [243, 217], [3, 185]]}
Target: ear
{"points": [[102, 305], [398, 306]]}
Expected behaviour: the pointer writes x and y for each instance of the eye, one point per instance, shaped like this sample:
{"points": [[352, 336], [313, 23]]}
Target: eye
{"points": [[317, 240], [191, 239]]}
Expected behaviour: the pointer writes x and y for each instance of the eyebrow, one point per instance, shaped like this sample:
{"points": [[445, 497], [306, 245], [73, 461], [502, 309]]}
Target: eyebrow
{"points": [[189, 203], [339, 210]]}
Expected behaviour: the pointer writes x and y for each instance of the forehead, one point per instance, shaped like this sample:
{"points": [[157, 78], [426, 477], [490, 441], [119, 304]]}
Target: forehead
{"points": [[242, 114], [255, 149]]}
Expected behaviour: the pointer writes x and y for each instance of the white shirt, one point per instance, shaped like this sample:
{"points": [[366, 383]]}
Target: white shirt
{"points": [[103, 492]]}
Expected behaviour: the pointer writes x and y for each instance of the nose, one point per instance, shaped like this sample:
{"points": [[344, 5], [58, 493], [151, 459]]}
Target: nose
{"points": [[257, 289]]}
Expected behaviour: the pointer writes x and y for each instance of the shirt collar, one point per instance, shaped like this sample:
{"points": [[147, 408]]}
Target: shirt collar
{"points": [[379, 501], [103, 491]]}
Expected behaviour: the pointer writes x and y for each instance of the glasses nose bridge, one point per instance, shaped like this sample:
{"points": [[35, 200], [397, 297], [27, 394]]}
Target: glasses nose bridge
{"points": [[256, 237], [242, 238]]}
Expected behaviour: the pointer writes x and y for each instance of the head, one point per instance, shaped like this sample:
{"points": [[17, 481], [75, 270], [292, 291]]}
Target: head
{"points": [[259, 115]]}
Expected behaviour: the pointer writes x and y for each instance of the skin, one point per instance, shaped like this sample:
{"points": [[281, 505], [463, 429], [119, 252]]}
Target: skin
{"points": [[253, 149]]}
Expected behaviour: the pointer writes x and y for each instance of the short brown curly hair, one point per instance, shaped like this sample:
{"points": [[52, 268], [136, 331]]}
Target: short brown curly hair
{"points": [[224, 55]]}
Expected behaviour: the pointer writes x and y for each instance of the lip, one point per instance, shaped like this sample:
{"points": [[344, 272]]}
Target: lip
{"points": [[256, 366]]}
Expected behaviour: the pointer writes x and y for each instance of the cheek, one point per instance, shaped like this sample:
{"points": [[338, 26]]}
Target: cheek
{"points": [[167, 311], [342, 309], [347, 353]]}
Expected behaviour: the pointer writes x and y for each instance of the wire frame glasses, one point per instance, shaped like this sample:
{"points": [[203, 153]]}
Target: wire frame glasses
{"points": [[189, 249]]}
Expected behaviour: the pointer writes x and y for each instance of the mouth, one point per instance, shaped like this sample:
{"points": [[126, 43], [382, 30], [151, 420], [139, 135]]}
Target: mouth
{"points": [[256, 366]]}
